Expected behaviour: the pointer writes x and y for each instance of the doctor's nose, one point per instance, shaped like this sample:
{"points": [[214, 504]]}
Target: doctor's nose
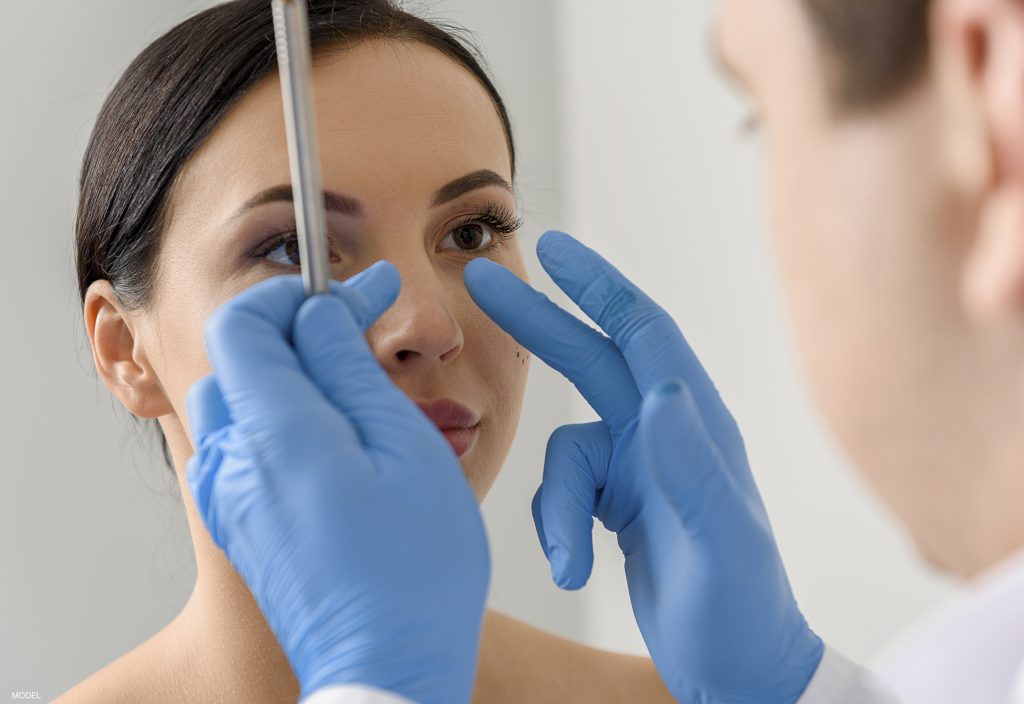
{"points": [[418, 331]]}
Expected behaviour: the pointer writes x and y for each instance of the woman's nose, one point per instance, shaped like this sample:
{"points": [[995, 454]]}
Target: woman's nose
{"points": [[418, 331]]}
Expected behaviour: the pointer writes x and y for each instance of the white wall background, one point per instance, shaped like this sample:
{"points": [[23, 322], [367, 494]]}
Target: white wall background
{"points": [[626, 139]]}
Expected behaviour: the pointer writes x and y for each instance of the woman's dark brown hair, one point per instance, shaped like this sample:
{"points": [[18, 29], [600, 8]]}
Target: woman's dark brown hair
{"points": [[877, 48], [176, 92]]}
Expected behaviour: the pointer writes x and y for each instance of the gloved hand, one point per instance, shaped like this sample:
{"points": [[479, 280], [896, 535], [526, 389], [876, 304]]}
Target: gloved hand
{"points": [[341, 505], [666, 470]]}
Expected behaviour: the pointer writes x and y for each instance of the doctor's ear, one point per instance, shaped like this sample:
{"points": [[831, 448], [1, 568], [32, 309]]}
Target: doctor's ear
{"points": [[978, 50], [119, 357]]}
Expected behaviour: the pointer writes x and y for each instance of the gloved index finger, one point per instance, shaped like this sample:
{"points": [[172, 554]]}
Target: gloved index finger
{"points": [[584, 356], [650, 341]]}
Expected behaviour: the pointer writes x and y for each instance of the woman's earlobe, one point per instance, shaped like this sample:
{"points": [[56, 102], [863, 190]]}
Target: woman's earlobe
{"points": [[117, 354]]}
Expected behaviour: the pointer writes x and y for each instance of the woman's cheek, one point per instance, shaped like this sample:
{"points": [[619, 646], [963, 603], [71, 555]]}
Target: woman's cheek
{"points": [[185, 361], [512, 363]]}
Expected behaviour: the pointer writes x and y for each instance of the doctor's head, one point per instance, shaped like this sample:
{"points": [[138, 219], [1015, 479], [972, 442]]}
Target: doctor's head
{"points": [[185, 202], [893, 132]]}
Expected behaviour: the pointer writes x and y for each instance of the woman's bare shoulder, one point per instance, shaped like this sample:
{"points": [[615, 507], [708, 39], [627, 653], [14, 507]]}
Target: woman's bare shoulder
{"points": [[115, 683], [150, 672], [519, 662]]}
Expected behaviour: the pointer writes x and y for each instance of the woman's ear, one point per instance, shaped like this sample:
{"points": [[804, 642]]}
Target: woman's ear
{"points": [[119, 357], [978, 47]]}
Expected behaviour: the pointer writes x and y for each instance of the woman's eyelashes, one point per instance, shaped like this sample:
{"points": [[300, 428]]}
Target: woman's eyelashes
{"points": [[482, 231], [283, 249], [472, 234]]}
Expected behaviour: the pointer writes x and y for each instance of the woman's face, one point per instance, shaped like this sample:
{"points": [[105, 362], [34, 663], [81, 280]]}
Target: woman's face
{"points": [[413, 147]]}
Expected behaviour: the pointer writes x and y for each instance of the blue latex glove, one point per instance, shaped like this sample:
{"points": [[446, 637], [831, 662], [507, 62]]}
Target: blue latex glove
{"points": [[341, 505], [666, 470]]}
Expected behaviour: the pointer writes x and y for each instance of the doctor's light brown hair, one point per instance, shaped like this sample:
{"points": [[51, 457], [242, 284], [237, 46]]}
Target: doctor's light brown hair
{"points": [[173, 95], [876, 49]]}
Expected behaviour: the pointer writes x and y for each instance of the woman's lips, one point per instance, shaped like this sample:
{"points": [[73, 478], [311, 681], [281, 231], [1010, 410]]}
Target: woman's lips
{"points": [[459, 424], [461, 439]]}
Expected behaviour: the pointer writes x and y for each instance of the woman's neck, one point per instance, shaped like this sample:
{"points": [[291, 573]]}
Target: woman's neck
{"points": [[221, 628]]}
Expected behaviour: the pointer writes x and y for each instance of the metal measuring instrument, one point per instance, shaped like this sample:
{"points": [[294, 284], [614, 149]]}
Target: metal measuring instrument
{"points": [[291, 32]]}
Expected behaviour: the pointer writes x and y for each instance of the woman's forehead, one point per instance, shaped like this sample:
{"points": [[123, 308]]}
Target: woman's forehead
{"points": [[392, 117]]}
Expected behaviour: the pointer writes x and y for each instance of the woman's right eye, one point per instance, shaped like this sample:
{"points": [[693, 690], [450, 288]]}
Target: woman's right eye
{"points": [[283, 250]]}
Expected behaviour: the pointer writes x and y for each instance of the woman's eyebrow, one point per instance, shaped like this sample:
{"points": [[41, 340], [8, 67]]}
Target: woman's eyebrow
{"points": [[336, 202], [347, 205], [470, 182]]}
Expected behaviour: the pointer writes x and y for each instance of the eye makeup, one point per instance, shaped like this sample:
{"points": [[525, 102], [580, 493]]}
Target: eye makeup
{"points": [[498, 216], [279, 231], [499, 221], [289, 242]]}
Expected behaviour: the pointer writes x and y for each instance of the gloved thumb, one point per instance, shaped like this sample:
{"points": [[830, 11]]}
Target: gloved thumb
{"points": [[208, 417], [575, 467]]}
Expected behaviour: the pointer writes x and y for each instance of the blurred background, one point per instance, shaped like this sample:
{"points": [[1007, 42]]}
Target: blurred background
{"points": [[628, 139]]}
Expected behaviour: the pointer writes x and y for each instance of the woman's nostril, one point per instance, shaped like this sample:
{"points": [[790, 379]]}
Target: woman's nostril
{"points": [[402, 354]]}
